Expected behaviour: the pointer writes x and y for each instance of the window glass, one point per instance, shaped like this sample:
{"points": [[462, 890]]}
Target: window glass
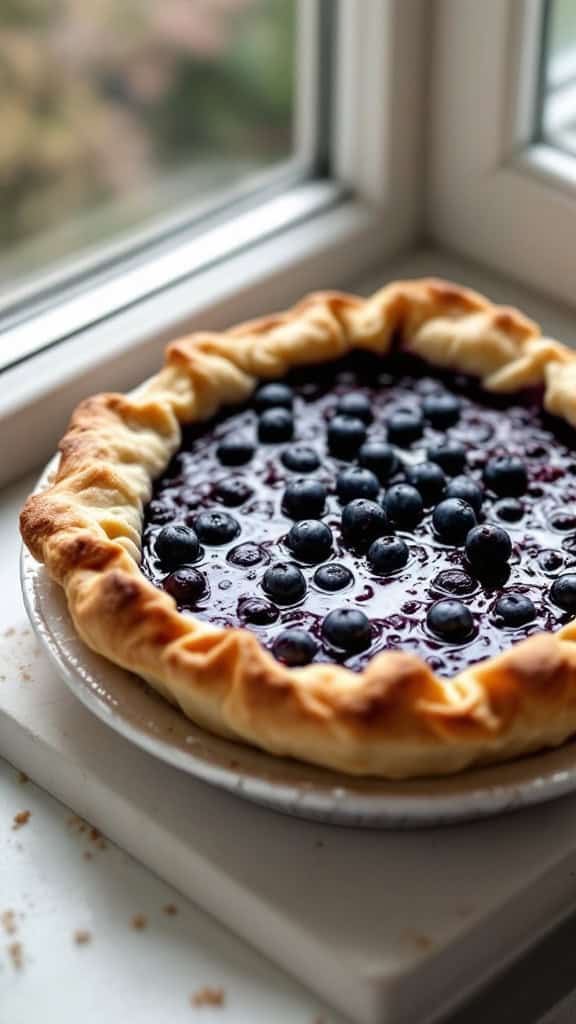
{"points": [[116, 114], [559, 75]]}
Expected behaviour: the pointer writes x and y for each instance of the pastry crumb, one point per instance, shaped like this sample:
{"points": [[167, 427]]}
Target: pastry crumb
{"points": [[87, 855], [16, 955], [170, 909], [76, 823], [9, 632], [25, 677], [23, 778], [82, 937], [20, 819], [8, 919], [208, 996], [139, 922]]}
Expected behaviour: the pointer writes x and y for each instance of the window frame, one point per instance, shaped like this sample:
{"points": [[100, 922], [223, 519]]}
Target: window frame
{"points": [[351, 223], [487, 169]]}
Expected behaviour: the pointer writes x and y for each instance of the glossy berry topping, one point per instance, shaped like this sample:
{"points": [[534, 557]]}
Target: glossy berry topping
{"points": [[451, 456], [275, 425], [294, 647], [284, 583], [509, 510], [514, 610], [233, 491], [405, 427], [216, 527], [403, 506], [442, 410], [185, 585], [356, 404], [345, 435], [310, 541], [430, 480], [506, 476], [350, 574], [272, 396], [563, 592], [246, 555], [450, 620], [453, 519], [257, 611], [455, 581], [387, 554], [468, 490], [488, 546], [333, 577], [300, 459], [176, 544], [356, 482], [347, 629], [362, 522], [235, 451], [379, 457], [304, 499]]}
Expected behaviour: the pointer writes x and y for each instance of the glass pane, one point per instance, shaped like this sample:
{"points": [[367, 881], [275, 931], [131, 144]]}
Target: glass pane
{"points": [[559, 75], [115, 112]]}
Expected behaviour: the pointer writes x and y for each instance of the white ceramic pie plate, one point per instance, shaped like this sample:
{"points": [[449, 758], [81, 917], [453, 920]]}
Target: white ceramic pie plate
{"points": [[133, 709]]}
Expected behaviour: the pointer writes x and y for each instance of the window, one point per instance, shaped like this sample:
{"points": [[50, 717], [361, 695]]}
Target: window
{"points": [[502, 181], [116, 115], [558, 84]]}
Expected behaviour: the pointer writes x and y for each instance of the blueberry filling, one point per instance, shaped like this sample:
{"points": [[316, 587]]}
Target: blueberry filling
{"points": [[372, 505]]}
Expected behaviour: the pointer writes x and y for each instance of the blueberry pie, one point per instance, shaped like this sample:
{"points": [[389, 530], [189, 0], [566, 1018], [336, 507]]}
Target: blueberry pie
{"points": [[345, 533]]}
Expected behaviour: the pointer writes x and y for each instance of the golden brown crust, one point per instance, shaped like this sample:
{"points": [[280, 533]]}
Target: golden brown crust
{"points": [[396, 719]]}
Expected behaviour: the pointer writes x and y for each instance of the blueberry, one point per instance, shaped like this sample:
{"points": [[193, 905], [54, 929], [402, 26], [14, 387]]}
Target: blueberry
{"points": [[550, 560], [246, 555], [185, 585], [378, 457], [275, 425], [300, 459], [257, 611], [453, 519], [563, 592], [506, 475], [333, 577], [362, 522], [304, 499], [488, 546], [284, 583], [310, 541], [510, 510], [455, 581], [387, 554], [345, 435], [442, 410], [294, 647], [216, 527], [176, 544], [356, 404], [403, 506], [451, 456], [233, 491], [235, 451], [430, 480], [514, 610], [272, 396], [451, 621], [356, 482], [404, 427], [467, 489], [347, 629]]}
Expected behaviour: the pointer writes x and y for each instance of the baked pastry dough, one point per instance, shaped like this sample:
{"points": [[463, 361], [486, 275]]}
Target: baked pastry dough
{"points": [[396, 719]]}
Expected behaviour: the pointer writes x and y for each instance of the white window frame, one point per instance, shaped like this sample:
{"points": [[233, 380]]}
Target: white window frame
{"points": [[493, 195], [319, 235]]}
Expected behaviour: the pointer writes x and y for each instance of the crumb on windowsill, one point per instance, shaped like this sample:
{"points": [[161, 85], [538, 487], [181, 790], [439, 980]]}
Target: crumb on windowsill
{"points": [[23, 778], [170, 909], [16, 955], [20, 819], [8, 919], [82, 937], [139, 922], [208, 996]]}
